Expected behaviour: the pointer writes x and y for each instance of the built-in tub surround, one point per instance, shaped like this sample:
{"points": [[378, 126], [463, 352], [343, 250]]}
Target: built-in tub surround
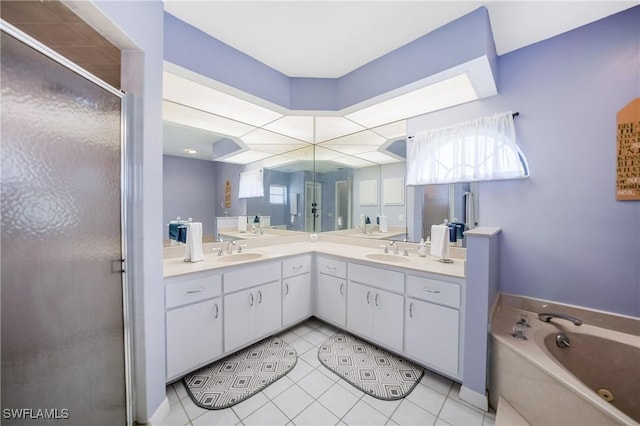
{"points": [[530, 375]]}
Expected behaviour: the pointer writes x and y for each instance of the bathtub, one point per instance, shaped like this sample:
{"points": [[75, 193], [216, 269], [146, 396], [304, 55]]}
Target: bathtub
{"points": [[548, 385]]}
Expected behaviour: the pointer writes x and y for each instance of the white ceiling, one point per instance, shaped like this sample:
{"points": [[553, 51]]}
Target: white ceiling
{"points": [[331, 38], [328, 39]]}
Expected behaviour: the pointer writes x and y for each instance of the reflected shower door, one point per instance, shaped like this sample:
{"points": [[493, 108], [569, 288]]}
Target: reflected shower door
{"points": [[62, 295]]}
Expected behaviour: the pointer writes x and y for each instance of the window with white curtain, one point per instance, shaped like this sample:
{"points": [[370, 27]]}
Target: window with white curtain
{"points": [[480, 149], [251, 184], [277, 194]]}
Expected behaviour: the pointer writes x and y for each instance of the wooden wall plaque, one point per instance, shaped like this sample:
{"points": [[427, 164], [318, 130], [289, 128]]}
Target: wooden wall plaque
{"points": [[628, 136]]}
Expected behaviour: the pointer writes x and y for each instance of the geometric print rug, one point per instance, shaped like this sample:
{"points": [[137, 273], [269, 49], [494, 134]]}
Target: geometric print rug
{"points": [[242, 374], [369, 368]]}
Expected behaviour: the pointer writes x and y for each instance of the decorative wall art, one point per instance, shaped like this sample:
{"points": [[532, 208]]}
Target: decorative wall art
{"points": [[628, 141]]}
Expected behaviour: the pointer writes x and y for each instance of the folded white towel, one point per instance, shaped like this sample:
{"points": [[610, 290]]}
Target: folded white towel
{"points": [[440, 241], [383, 223], [193, 249], [242, 224]]}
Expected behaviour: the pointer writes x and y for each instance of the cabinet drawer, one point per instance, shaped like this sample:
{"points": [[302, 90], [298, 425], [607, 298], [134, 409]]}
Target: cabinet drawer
{"points": [[192, 288], [250, 276], [441, 292], [337, 268], [382, 278], [296, 266]]}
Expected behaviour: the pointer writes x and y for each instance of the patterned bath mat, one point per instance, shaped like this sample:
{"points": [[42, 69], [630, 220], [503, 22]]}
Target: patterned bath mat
{"points": [[369, 368], [240, 375]]}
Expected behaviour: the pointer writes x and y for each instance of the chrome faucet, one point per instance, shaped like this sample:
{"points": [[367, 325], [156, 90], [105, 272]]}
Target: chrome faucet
{"points": [[394, 244], [229, 244], [546, 317]]}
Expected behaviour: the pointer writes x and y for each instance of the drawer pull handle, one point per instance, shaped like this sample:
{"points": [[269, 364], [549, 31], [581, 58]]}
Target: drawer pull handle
{"points": [[410, 310], [297, 267], [251, 294], [341, 288], [376, 299], [331, 267], [259, 296], [428, 290], [217, 311], [368, 295], [286, 288], [197, 290]]}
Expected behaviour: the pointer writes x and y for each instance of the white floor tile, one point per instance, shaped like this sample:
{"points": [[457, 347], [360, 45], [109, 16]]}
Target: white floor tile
{"points": [[436, 381], [176, 417], [181, 391], [488, 420], [338, 400], [315, 337], [427, 398], [301, 330], [409, 414], [301, 369], [311, 357], [193, 411], [314, 323], [315, 383], [248, 406], [292, 401], [315, 414], [288, 336], [301, 346], [364, 414], [440, 422], [268, 414], [217, 418], [456, 414], [391, 423], [348, 386], [385, 407], [330, 374], [277, 387], [327, 329], [172, 396]]}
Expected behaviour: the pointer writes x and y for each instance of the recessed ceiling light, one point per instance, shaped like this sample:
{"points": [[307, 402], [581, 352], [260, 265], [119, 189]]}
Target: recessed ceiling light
{"points": [[190, 151]]}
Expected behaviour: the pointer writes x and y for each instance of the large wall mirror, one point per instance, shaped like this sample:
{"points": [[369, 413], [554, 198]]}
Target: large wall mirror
{"points": [[326, 175]]}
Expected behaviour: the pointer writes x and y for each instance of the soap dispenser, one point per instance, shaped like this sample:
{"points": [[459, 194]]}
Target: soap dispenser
{"points": [[422, 249]]}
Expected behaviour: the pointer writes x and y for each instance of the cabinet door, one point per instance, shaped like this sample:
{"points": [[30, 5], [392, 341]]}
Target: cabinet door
{"points": [[331, 299], [268, 308], [388, 318], [239, 322], [431, 334], [194, 336], [296, 299], [359, 305]]}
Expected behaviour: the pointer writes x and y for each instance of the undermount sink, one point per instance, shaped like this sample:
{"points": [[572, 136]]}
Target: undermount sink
{"points": [[240, 257], [386, 257]]}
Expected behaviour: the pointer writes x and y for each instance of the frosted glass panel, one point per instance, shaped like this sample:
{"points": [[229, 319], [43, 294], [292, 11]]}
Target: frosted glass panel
{"points": [[62, 322]]}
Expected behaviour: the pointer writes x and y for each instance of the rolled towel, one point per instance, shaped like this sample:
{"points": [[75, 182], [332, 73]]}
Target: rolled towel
{"points": [[182, 234], [193, 250], [440, 241]]}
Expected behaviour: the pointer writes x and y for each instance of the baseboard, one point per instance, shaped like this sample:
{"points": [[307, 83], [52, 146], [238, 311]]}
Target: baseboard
{"points": [[160, 414], [474, 398]]}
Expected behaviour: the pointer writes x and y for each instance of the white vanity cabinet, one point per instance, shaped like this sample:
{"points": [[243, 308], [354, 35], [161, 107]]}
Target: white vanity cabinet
{"points": [[253, 304], [331, 291], [193, 321], [296, 289], [375, 304], [432, 323]]}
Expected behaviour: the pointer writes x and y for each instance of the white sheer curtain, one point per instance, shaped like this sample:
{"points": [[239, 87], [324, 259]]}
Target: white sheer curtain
{"points": [[251, 184], [480, 149]]}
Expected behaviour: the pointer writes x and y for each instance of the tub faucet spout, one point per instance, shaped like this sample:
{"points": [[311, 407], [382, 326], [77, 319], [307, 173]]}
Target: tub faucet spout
{"points": [[546, 317]]}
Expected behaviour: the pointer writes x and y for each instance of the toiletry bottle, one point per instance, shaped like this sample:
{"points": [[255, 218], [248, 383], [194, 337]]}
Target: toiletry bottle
{"points": [[422, 249]]}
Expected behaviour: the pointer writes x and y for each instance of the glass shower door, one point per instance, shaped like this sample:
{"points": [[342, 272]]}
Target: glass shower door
{"points": [[63, 353]]}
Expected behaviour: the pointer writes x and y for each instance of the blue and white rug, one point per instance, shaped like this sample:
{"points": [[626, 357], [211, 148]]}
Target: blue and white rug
{"points": [[374, 371], [237, 377]]}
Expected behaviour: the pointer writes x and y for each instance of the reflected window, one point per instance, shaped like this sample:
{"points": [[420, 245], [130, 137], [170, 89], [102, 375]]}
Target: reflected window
{"points": [[481, 149], [277, 194]]}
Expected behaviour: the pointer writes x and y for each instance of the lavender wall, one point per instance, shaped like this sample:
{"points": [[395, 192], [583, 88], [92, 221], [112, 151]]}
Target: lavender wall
{"points": [[565, 237], [189, 190]]}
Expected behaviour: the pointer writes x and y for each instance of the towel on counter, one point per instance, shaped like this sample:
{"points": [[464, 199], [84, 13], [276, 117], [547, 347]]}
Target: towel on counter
{"points": [[242, 224], [182, 233], [193, 250], [440, 241], [469, 209]]}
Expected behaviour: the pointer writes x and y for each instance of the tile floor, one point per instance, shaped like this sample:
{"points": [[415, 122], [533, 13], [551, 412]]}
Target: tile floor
{"points": [[312, 395]]}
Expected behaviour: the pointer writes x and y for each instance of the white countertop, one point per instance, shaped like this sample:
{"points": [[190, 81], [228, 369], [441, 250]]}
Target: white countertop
{"points": [[177, 266]]}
